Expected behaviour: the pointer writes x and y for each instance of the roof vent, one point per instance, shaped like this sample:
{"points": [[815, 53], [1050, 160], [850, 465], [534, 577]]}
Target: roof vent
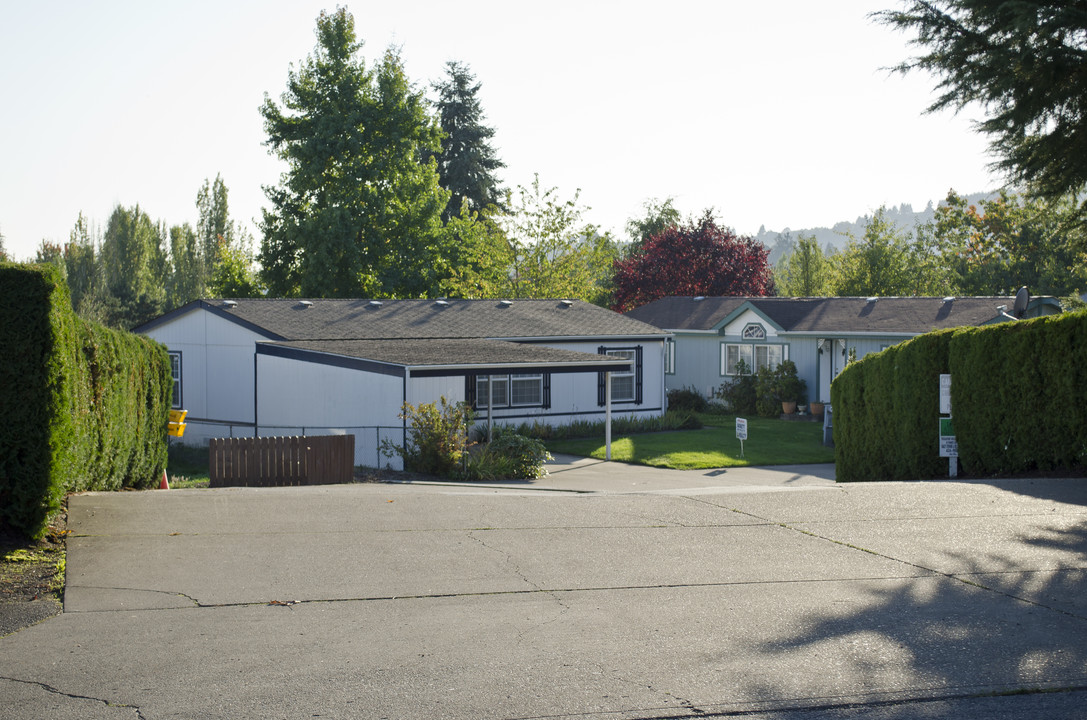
{"points": [[949, 298], [505, 303], [375, 303], [441, 303], [305, 303], [871, 299], [567, 303], [229, 303], [700, 298]]}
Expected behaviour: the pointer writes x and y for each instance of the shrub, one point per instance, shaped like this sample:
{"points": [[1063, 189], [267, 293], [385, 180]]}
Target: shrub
{"points": [[628, 425], [740, 395], [509, 455], [686, 400], [82, 407], [767, 403], [1018, 396], [437, 437]]}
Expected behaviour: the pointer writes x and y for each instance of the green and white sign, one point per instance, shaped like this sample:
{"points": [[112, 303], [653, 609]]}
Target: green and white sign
{"points": [[949, 446]]}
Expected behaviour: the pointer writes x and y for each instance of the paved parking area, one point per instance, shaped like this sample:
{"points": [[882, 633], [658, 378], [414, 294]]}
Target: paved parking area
{"points": [[602, 592]]}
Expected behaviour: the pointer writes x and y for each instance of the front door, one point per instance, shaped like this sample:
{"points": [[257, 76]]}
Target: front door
{"points": [[831, 361]]}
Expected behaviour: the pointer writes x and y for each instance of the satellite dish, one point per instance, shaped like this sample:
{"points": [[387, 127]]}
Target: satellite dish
{"points": [[1022, 300]]}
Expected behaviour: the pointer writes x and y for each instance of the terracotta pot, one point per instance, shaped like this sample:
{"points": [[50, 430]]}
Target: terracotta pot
{"points": [[788, 407], [817, 409]]}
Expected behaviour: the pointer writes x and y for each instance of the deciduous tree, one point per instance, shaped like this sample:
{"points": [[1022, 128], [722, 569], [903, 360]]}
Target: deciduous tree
{"points": [[695, 258], [803, 271], [554, 254], [357, 211]]}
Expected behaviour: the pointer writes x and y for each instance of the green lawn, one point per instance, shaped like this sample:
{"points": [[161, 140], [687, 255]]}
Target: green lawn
{"points": [[769, 442]]}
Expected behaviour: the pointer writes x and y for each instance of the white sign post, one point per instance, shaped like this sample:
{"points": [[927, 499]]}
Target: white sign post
{"points": [[949, 445], [945, 394], [741, 433]]}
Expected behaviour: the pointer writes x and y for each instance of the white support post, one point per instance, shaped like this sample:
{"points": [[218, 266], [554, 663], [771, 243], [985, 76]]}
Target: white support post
{"points": [[490, 408], [607, 415]]}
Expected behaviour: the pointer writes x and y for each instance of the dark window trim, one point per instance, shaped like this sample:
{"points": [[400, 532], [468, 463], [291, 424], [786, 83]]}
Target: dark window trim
{"points": [[637, 370], [178, 382]]}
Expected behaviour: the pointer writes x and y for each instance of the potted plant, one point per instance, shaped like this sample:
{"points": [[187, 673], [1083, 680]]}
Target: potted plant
{"points": [[817, 409], [789, 387]]}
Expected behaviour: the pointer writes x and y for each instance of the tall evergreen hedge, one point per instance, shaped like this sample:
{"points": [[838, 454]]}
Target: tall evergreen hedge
{"points": [[1018, 395], [82, 407]]}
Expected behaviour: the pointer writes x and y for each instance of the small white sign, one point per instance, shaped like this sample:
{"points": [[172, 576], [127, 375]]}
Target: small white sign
{"points": [[741, 428], [945, 394], [949, 444]]}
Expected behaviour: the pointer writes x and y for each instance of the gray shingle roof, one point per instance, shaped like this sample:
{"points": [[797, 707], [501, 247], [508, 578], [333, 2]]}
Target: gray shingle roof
{"points": [[893, 315], [455, 352], [332, 319]]}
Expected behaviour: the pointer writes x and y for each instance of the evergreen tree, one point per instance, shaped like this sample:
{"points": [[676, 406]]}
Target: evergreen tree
{"points": [[1023, 62], [467, 161], [358, 211]]}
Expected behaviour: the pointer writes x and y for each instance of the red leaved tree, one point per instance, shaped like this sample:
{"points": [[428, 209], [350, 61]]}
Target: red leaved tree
{"points": [[698, 258]]}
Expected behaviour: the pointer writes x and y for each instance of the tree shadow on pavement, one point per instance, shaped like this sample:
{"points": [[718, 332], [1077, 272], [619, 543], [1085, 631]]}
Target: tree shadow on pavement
{"points": [[1008, 622]]}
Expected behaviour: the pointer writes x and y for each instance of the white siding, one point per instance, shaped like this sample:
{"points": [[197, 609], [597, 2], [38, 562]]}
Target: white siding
{"points": [[216, 373]]}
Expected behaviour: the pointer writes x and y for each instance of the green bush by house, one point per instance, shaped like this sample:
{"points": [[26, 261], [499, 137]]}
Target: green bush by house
{"points": [[1018, 395], [82, 407]]}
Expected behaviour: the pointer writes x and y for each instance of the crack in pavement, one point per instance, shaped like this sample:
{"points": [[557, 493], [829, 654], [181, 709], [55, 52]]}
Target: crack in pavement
{"points": [[508, 557], [172, 593], [57, 691]]}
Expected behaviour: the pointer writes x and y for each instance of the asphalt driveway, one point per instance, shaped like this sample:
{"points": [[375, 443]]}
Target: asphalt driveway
{"points": [[602, 592]]}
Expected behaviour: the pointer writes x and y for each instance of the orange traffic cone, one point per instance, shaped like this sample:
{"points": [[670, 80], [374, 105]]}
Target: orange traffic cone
{"points": [[165, 484]]}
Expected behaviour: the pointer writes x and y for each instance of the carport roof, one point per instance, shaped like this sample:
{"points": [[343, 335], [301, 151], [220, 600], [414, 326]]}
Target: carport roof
{"points": [[445, 357]]}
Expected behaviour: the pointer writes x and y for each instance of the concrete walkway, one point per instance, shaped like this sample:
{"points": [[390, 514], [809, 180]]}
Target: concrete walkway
{"points": [[604, 591]]}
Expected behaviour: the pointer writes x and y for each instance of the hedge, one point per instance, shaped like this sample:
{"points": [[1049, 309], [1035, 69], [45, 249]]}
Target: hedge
{"points": [[1018, 394], [82, 407]]}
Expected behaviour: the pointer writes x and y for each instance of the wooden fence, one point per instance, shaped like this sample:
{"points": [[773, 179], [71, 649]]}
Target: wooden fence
{"points": [[272, 461]]}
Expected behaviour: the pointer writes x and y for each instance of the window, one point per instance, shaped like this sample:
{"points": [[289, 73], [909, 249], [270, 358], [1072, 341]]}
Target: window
{"points": [[626, 385], [755, 357], [622, 383], [175, 374], [516, 390], [670, 356], [526, 389], [754, 332]]}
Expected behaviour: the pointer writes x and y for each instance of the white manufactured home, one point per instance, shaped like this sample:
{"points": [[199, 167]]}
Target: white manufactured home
{"points": [[270, 367], [710, 334]]}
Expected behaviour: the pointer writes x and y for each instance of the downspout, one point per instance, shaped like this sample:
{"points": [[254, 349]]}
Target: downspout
{"points": [[256, 417]]}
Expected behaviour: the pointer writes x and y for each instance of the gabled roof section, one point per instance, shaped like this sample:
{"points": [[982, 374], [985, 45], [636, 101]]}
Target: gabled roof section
{"points": [[338, 319], [836, 315]]}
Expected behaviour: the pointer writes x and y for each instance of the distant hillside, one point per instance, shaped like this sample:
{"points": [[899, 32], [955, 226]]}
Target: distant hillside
{"points": [[903, 216]]}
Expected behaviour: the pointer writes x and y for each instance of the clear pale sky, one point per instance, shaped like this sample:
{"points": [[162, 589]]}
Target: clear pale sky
{"points": [[777, 113]]}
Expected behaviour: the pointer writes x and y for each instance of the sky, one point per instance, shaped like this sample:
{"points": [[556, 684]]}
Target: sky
{"points": [[778, 114]]}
